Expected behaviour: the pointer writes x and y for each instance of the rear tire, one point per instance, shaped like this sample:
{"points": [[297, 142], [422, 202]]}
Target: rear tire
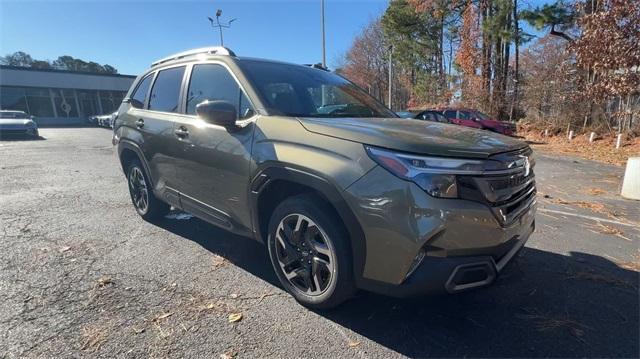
{"points": [[310, 251], [144, 201]]}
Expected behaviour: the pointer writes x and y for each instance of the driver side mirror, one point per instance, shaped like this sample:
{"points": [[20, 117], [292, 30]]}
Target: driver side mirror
{"points": [[220, 113]]}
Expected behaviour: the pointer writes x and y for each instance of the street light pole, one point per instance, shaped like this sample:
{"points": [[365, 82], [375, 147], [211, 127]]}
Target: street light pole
{"points": [[324, 57], [220, 25]]}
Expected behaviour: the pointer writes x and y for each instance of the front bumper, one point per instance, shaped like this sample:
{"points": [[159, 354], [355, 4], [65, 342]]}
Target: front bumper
{"points": [[463, 243]]}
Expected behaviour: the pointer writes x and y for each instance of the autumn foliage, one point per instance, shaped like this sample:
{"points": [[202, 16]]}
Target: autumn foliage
{"points": [[581, 72]]}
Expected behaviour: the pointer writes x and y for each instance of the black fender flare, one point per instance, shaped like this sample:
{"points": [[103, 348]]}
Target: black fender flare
{"points": [[270, 171], [125, 144]]}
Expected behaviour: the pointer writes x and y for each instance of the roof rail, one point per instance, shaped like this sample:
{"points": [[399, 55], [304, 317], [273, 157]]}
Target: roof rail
{"points": [[215, 50]]}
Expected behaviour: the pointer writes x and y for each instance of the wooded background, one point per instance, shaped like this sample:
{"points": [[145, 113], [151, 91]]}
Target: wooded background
{"points": [[583, 73]]}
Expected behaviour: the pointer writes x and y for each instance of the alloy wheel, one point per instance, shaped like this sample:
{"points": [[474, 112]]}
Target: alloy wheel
{"points": [[305, 254], [138, 188]]}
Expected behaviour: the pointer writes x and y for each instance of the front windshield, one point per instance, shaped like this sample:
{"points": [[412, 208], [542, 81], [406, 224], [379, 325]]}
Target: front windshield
{"points": [[295, 90]]}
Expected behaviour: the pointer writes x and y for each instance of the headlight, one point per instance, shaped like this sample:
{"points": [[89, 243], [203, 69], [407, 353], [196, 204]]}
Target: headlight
{"points": [[436, 175]]}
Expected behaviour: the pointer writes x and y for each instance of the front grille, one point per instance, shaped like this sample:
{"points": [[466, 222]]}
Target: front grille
{"points": [[509, 195]]}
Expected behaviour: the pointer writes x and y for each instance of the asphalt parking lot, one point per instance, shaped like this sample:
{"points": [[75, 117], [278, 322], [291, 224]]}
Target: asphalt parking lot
{"points": [[82, 275]]}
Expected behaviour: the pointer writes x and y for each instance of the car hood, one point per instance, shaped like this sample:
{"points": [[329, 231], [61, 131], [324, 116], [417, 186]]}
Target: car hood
{"points": [[15, 121], [431, 138]]}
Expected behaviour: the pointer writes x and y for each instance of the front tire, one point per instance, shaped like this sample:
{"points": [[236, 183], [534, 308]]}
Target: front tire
{"points": [[310, 252], [144, 201]]}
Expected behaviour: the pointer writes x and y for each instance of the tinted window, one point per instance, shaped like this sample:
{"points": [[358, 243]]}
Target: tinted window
{"points": [[166, 90], [440, 118], [213, 82], [294, 90], [140, 94], [450, 114], [465, 115]]}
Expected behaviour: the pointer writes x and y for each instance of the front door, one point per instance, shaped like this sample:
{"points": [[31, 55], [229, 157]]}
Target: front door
{"points": [[214, 167]]}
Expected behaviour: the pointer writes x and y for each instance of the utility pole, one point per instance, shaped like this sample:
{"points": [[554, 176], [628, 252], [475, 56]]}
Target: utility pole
{"points": [[390, 74], [324, 56], [220, 25]]}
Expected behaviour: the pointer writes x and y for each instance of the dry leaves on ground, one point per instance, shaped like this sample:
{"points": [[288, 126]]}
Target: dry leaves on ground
{"points": [[235, 317], [596, 277], [162, 316], [545, 323], [602, 150], [606, 229], [104, 281], [218, 261], [594, 191]]}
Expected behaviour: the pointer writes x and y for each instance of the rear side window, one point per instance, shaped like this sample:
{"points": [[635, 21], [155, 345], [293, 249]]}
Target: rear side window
{"points": [[140, 95], [166, 90], [213, 82], [450, 114], [464, 115]]}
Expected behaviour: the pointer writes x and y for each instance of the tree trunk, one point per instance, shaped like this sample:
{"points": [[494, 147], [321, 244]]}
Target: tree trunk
{"points": [[516, 72]]}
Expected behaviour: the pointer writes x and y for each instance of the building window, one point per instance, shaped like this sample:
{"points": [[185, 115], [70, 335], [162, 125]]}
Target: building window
{"points": [[111, 100], [39, 102], [13, 98], [65, 103], [88, 101]]}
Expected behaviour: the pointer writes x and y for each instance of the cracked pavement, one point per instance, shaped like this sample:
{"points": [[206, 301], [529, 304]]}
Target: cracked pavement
{"points": [[83, 276]]}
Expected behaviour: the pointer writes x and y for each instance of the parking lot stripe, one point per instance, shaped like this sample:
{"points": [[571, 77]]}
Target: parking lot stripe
{"points": [[635, 225]]}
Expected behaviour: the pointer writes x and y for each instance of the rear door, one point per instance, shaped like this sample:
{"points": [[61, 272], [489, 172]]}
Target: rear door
{"points": [[153, 119], [213, 169]]}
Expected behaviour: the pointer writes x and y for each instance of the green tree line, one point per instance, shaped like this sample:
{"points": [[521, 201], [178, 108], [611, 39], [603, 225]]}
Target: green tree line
{"points": [[22, 59]]}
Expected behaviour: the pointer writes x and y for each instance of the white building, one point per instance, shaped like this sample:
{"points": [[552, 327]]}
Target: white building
{"points": [[56, 96]]}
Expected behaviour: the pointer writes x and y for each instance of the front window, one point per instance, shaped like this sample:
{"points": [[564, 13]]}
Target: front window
{"points": [[213, 82], [295, 90], [481, 116]]}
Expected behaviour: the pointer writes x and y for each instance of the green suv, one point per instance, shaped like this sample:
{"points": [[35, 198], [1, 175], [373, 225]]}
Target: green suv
{"points": [[344, 194]]}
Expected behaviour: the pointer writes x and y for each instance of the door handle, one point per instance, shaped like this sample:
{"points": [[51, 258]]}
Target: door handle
{"points": [[181, 132], [140, 123]]}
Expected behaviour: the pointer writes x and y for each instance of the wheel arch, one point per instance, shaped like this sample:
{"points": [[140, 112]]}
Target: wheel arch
{"points": [[128, 151], [275, 182]]}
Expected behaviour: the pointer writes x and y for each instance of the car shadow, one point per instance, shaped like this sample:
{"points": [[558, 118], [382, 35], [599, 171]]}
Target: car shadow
{"points": [[15, 138], [543, 305]]}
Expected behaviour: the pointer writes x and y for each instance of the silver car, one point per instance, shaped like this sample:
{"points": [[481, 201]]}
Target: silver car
{"points": [[17, 123]]}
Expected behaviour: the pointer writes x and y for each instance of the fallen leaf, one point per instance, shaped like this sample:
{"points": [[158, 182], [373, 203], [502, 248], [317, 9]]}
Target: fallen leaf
{"points": [[104, 281], [235, 317], [162, 316], [228, 354], [138, 331], [233, 296], [218, 261], [64, 249], [353, 344]]}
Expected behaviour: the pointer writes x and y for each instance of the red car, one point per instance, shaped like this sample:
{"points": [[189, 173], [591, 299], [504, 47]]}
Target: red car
{"points": [[477, 119]]}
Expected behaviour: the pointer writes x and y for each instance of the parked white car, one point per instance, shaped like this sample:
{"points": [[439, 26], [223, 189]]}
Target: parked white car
{"points": [[17, 123]]}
